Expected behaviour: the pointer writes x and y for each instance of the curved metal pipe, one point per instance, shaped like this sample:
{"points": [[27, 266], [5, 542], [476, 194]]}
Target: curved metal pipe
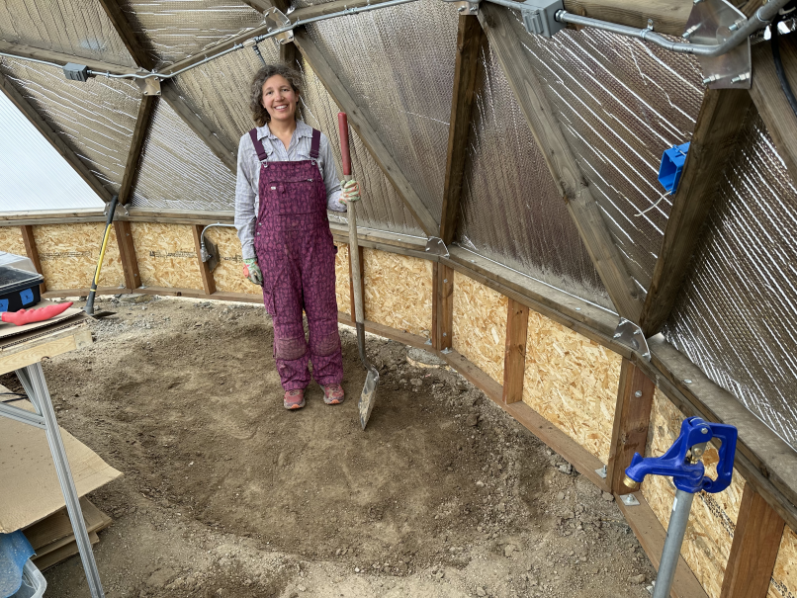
{"points": [[759, 20], [205, 256]]}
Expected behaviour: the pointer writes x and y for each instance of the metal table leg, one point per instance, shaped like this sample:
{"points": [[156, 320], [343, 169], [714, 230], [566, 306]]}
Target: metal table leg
{"points": [[32, 378]]}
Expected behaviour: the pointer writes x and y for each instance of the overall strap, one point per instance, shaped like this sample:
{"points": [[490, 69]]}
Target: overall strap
{"points": [[315, 145], [261, 152]]}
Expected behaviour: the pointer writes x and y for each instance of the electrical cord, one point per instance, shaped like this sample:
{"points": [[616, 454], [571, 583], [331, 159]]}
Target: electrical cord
{"points": [[784, 82]]}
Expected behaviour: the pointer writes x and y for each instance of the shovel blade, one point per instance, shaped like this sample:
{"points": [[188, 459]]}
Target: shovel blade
{"points": [[368, 396]]}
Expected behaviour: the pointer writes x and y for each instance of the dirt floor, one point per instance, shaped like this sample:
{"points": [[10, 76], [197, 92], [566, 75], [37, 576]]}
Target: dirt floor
{"points": [[226, 494]]}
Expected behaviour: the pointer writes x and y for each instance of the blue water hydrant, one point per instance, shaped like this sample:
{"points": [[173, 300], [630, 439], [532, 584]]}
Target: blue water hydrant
{"points": [[683, 462]]}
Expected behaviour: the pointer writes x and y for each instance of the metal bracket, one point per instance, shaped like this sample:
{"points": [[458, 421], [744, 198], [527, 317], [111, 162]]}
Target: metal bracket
{"points": [[273, 19], [629, 334], [466, 7], [602, 472], [150, 86], [539, 16], [712, 22], [629, 500], [435, 246]]}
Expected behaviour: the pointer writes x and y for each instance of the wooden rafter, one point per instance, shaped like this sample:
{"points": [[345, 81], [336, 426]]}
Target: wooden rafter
{"points": [[130, 38], [60, 58], [771, 102], [721, 117], [55, 140], [517, 323], [222, 147], [570, 181], [143, 121], [362, 124], [469, 39]]}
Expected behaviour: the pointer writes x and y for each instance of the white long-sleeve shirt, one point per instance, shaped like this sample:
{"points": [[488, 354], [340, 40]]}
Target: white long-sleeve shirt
{"points": [[247, 199]]}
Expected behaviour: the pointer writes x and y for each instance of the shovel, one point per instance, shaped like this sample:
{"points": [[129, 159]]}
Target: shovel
{"points": [[368, 396], [89, 308]]}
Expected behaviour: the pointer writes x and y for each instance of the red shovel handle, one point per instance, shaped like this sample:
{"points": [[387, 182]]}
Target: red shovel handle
{"points": [[28, 316], [343, 125]]}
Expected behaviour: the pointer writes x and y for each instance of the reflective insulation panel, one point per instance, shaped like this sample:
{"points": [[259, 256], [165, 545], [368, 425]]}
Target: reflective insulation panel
{"points": [[178, 171], [398, 64], [621, 103], [736, 317], [511, 211], [219, 91], [75, 27], [305, 3], [95, 118], [176, 29], [381, 207]]}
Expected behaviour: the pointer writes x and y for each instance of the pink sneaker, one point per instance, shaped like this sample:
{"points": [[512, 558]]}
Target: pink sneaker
{"points": [[294, 399], [333, 394]]}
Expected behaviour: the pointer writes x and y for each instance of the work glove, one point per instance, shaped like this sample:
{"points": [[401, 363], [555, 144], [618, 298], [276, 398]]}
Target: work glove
{"points": [[252, 271], [350, 192]]}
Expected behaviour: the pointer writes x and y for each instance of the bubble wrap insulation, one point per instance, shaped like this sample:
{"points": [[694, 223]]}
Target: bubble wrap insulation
{"points": [[219, 90], [381, 207], [621, 103], [511, 210], [75, 27], [305, 3], [178, 171], [96, 118], [176, 29], [737, 315], [398, 64]]}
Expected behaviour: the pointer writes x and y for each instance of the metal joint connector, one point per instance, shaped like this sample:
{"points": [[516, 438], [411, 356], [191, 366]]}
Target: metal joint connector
{"points": [[629, 334]]}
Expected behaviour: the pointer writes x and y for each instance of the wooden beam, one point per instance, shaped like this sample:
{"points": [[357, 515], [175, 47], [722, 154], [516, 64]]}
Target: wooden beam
{"points": [[721, 118], [33, 253], [631, 422], [669, 16], [469, 42], [442, 306], [57, 141], [771, 101], [130, 37], [369, 134], [303, 13], [573, 187], [222, 147], [23, 51], [756, 541], [517, 324], [259, 5], [143, 121], [127, 252], [204, 268], [352, 282]]}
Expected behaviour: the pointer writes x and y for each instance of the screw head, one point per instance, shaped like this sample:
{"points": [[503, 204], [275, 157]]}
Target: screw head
{"points": [[638, 394], [687, 381], [704, 431]]}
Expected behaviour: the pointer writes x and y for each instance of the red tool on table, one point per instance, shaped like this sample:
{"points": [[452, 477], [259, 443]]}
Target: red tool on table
{"points": [[39, 314]]}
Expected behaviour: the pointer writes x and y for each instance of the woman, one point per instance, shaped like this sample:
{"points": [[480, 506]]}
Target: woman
{"points": [[286, 182]]}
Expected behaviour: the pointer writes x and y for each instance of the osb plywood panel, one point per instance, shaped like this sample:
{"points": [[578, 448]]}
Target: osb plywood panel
{"points": [[572, 382], [166, 255], [228, 274], [480, 325], [69, 255], [342, 289], [11, 240], [784, 578], [398, 291], [712, 521]]}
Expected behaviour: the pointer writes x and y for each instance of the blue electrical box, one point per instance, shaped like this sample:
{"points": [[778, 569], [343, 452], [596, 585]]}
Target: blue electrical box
{"points": [[672, 163]]}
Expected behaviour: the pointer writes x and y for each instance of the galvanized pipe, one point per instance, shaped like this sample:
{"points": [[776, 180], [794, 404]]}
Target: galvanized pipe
{"points": [[759, 20], [681, 507]]}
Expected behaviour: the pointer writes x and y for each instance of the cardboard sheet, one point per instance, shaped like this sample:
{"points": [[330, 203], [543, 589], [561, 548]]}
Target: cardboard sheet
{"points": [[8, 330], [30, 491]]}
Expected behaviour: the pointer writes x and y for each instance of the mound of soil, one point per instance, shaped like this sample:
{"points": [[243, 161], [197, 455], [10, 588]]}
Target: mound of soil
{"points": [[227, 494]]}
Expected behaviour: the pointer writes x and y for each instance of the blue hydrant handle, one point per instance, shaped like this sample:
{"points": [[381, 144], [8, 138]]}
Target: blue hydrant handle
{"points": [[690, 477]]}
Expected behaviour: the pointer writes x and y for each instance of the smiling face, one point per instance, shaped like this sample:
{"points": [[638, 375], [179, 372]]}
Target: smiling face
{"points": [[279, 99]]}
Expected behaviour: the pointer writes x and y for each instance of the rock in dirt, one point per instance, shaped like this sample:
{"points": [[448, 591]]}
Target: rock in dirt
{"points": [[159, 577], [607, 497], [480, 591], [421, 358], [565, 468], [508, 550], [637, 578], [473, 420]]}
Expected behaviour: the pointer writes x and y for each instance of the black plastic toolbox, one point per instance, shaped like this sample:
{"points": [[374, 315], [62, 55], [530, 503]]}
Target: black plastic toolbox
{"points": [[18, 288]]}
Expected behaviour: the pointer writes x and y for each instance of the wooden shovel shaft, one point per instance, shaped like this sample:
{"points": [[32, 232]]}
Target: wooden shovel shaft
{"points": [[354, 246]]}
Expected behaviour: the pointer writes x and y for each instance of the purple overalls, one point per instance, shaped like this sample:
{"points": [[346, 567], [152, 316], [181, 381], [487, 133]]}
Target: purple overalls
{"points": [[296, 255]]}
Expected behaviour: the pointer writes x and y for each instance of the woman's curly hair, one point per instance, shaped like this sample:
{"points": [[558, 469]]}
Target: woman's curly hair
{"points": [[259, 113]]}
